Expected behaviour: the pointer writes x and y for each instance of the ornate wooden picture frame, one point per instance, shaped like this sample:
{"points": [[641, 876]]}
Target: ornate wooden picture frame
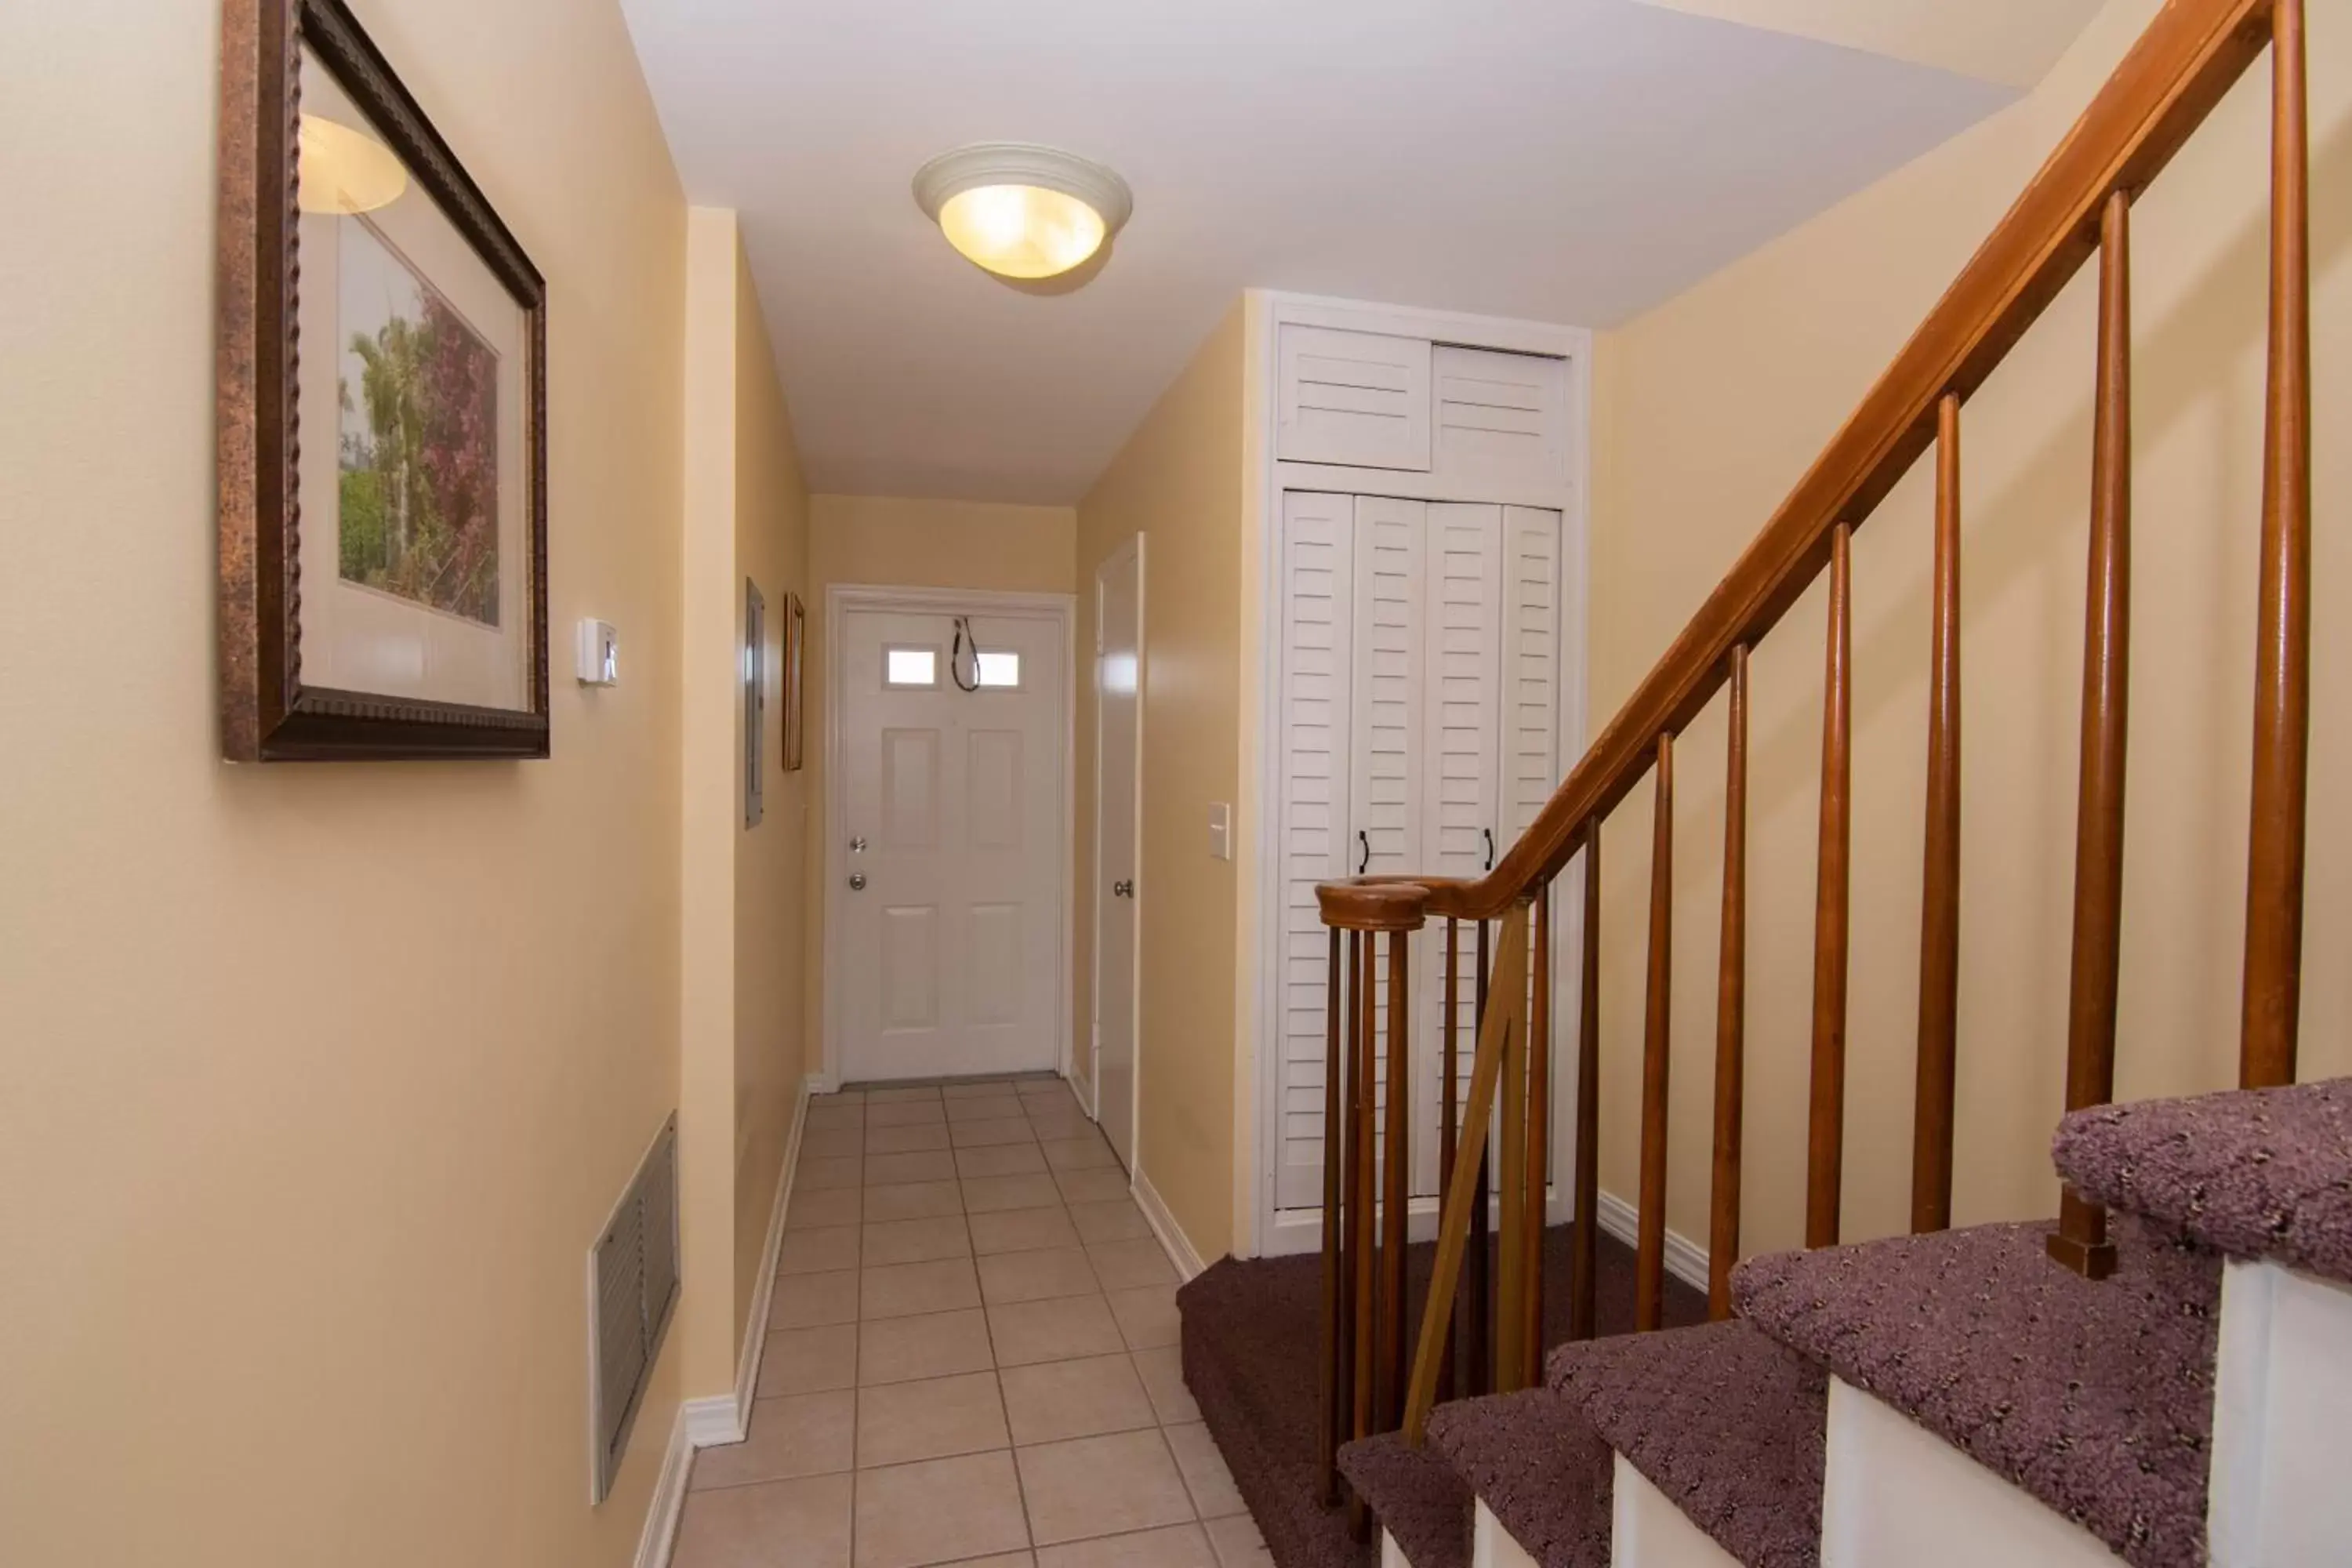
{"points": [[421, 587], [795, 698]]}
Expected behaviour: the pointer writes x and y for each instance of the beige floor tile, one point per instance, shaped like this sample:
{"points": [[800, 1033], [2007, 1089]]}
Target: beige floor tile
{"points": [[906, 1113], [989, 1135], [1032, 1276], [835, 1119], [1101, 1486], [898, 1422], [1205, 1474], [1124, 1265], [1052, 1092], [1163, 1371], [986, 1194], [1089, 1186], [832, 1145], [1118, 1220], [1002, 1560], [1059, 1128], [916, 1095], [916, 1240], [1001, 1160], [912, 1200], [808, 1361], [976, 1088], [820, 1251], [799, 1435], [993, 1107], [939, 1510], [895, 1170], [811, 1301], [1022, 1230], [936, 1344], [1057, 1399], [1174, 1546], [838, 1097], [811, 1211], [742, 1527], [1085, 1153], [825, 1176], [906, 1140], [1237, 1542], [1147, 1315], [911, 1289], [1054, 1328]]}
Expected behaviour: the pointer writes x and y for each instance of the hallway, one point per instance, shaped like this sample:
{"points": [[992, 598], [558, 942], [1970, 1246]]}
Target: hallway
{"points": [[972, 1357]]}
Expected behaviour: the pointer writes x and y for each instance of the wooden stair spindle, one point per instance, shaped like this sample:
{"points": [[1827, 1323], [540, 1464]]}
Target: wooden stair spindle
{"points": [[1334, 1429], [1479, 1337], [2273, 984], [1730, 1007], [1826, 1137], [1450, 1112], [2081, 1240], [1539, 1154], [1510, 1247], [1939, 918], [1396, 1161], [1584, 1269], [1650, 1253]]}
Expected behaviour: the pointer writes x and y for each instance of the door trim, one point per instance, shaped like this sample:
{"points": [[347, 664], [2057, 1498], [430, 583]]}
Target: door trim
{"points": [[842, 600], [1133, 546]]}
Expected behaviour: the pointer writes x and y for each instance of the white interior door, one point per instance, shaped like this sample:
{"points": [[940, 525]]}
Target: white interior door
{"points": [[1118, 750], [950, 891]]}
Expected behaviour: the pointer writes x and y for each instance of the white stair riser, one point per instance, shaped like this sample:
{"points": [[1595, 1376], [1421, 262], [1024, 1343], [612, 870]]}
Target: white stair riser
{"points": [[1895, 1492], [2280, 1407], [1392, 1554], [1491, 1545], [1647, 1531]]}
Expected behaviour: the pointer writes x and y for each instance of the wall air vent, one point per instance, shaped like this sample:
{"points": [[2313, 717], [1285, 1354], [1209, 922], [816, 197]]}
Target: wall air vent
{"points": [[633, 1285]]}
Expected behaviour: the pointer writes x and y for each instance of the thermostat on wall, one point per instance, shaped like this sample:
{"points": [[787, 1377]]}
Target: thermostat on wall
{"points": [[600, 653]]}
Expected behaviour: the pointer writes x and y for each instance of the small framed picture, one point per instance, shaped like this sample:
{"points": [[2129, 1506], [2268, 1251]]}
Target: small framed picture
{"points": [[796, 714], [755, 704], [382, 417]]}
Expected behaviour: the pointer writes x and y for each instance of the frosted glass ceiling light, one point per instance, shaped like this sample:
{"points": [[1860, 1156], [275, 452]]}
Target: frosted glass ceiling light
{"points": [[1021, 211], [346, 171]]}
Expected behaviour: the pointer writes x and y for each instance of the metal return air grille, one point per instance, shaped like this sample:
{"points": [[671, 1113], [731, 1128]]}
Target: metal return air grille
{"points": [[632, 1289]]}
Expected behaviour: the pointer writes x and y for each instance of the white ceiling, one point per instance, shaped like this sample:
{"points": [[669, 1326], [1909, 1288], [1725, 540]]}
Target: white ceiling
{"points": [[1573, 160]]}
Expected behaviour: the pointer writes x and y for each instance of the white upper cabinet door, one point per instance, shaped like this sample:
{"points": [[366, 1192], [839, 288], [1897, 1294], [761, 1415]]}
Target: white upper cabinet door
{"points": [[1501, 418], [1356, 398]]}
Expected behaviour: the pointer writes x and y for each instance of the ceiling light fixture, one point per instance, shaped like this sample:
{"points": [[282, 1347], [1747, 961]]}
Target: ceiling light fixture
{"points": [[1019, 210], [343, 170]]}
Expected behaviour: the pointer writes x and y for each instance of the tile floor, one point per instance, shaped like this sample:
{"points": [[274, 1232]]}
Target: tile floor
{"points": [[971, 1359]]}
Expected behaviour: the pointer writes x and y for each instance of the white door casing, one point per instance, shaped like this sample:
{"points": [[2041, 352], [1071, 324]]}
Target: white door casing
{"points": [[947, 900], [1118, 817]]}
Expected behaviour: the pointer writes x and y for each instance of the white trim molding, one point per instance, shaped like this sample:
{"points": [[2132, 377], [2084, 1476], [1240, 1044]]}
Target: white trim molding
{"points": [[660, 1533], [1170, 1236], [755, 1327], [1685, 1259]]}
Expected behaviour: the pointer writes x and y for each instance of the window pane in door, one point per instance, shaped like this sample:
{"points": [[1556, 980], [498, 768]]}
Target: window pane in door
{"points": [[911, 666]]}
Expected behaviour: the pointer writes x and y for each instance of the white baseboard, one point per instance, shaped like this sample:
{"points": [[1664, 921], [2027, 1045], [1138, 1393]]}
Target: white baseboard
{"points": [[755, 1328], [660, 1533], [1686, 1258], [1173, 1239]]}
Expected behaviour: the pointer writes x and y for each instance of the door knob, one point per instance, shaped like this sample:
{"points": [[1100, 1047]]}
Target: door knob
{"points": [[1123, 890], [857, 882]]}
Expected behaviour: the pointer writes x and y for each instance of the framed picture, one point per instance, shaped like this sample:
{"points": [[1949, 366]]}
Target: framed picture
{"points": [[796, 655], [754, 660], [382, 417]]}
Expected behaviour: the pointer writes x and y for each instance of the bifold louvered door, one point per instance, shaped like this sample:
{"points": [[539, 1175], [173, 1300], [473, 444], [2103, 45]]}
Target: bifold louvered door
{"points": [[1419, 699]]}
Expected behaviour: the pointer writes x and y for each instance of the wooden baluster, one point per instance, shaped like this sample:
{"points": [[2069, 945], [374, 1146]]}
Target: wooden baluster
{"points": [[1479, 1337], [1334, 1429], [2081, 1240], [1510, 1249], [1396, 1164], [1362, 1143], [1539, 1157], [2273, 972], [1650, 1256], [1939, 919], [1825, 1133], [1730, 1006], [1584, 1277], [1449, 1119]]}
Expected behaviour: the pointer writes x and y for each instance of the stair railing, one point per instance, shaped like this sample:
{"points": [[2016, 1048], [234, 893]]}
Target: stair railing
{"points": [[2079, 204]]}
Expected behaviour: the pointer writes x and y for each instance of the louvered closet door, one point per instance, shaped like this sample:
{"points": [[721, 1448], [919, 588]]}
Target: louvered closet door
{"points": [[1319, 589]]}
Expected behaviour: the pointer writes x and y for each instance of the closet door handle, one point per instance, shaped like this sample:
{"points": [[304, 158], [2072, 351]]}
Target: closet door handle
{"points": [[1365, 839], [1490, 848]]}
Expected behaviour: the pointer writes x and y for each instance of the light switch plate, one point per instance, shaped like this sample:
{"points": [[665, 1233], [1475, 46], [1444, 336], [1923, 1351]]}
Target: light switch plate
{"points": [[600, 653], [1221, 831]]}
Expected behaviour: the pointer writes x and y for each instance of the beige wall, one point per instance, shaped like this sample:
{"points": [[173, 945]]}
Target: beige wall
{"points": [[895, 541], [1709, 409], [316, 1082], [1180, 481], [742, 929]]}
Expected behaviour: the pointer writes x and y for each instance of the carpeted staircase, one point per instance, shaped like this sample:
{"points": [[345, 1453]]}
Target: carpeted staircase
{"points": [[2096, 1398]]}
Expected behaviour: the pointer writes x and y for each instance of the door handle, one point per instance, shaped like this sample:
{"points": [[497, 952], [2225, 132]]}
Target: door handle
{"points": [[1490, 848], [1123, 890], [857, 846], [1365, 839], [857, 882]]}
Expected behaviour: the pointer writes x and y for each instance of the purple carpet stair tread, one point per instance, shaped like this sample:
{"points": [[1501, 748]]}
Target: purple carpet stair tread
{"points": [[1732, 1426], [2263, 1172], [2095, 1397], [1415, 1495], [1538, 1466]]}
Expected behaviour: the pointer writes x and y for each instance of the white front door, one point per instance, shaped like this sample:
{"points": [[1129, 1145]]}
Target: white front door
{"points": [[949, 884], [1118, 663]]}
